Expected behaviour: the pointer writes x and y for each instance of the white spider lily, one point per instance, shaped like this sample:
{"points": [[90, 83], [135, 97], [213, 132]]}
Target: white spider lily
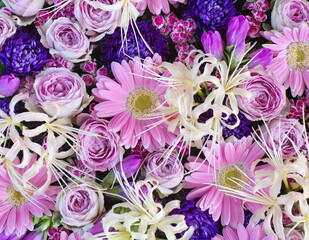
{"points": [[142, 216], [280, 168], [302, 219], [270, 209]]}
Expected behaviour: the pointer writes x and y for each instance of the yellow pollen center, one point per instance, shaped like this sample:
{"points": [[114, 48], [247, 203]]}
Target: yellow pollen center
{"points": [[298, 55], [141, 102], [15, 197], [231, 176]]}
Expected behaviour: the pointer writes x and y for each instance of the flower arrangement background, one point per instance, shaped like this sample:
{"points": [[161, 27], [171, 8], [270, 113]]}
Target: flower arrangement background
{"points": [[154, 119]]}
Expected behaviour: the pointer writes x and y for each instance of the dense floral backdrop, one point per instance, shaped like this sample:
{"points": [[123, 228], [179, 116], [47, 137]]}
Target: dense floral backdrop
{"points": [[154, 119]]}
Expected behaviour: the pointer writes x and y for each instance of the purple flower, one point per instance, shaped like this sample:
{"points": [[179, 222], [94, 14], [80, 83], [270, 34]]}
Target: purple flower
{"points": [[212, 43], [23, 53], [112, 51], [211, 14], [4, 105], [9, 85], [10, 237], [244, 128], [236, 34], [267, 98], [204, 226], [260, 57], [130, 165], [35, 235]]}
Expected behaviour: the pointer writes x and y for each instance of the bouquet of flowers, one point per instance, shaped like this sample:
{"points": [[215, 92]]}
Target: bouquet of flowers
{"points": [[154, 120]]}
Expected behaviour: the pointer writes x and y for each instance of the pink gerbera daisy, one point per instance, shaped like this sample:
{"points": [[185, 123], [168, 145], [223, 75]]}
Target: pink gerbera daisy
{"points": [[228, 165], [251, 232], [291, 61], [129, 100], [16, 207]]}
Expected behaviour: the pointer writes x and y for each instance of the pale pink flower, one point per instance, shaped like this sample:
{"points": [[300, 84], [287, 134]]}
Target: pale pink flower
{"points": [[130, 99], [156, 6], [251, 232], [291, 58], [16, 207], [227, 165]]}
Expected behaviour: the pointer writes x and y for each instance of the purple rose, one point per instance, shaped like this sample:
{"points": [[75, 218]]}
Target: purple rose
{"points": [[80, 204], [167, 170], [65, 38], [9, 84], [97, 22], [100, 152], [285, 134], [289, 13], [7, 28], [267, 97], [24, 8], [60, 92]]}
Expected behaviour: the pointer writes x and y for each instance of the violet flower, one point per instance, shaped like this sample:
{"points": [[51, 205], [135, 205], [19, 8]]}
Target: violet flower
{"points": [[212, 43]]}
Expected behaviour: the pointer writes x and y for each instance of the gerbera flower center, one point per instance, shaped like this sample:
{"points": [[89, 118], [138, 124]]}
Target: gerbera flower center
{"points": [[141, 102], [15, 197], [232, 176], [298, 55]]}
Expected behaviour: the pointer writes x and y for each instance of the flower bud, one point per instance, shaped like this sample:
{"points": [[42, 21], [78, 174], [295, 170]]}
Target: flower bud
{"points": [[212, 43], [260, 57], [236, 34], [130, 165], [9, 85]]}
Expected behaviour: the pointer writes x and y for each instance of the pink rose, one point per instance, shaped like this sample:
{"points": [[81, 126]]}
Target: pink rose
{"points": [[285, 134], [101, 152], [24, 8], [167, 170], [60, 92], [97, 22], [7, 27], [267, 97], [289, 13], [65, 38], [80, 205]]}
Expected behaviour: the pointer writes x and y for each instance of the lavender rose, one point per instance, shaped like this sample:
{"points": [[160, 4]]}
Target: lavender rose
{"points": [[65, 38], [60, 92], [267, 97], [289, 13], [97, 21], [24, 8], [101, 152], [80, 205], [285, 134], [168, 172], [7, 28]]}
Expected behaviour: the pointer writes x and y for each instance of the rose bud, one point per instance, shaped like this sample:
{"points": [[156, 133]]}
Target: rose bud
{"points": [[24, 8], [9, 84], [7, 27], [60, 92], [80, 204], [284, 134], [212, 43], [65, 38], [267, 98], [289, 13], [130, 165], [99, 152], [166, 169]]}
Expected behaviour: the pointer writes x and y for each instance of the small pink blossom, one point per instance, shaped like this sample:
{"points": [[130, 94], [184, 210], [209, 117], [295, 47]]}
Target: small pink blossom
{"points": [[89, 66], [88, 79]]}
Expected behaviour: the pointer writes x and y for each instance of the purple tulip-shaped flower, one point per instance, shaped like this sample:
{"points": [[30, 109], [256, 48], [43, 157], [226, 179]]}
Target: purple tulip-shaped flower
{"points": [[9, 85], [212, 43], [130, 165], [236, 34], [260, 57]]}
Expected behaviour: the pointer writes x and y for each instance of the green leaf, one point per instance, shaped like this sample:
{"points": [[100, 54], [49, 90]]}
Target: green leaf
{"points": [[2, 66]]}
